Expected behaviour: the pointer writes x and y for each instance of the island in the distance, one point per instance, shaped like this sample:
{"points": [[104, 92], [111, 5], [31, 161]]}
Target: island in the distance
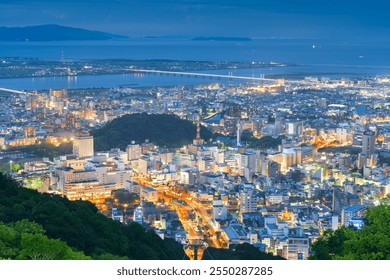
{"points": [[52, 32], [221, 39]]}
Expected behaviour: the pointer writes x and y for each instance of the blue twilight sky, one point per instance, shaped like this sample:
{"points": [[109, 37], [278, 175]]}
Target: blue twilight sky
{"points": [[254, 18]]}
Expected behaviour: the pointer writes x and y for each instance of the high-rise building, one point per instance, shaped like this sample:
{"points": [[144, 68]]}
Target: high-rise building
{"points": [[147, 146], [143, 165], [362, 160], [70, 121], [368, 148], [335, 222], [386, 140], [248, 164], [238, 134], [279, 125], [342, 135], [248, 200], [368, 143], [83, 146], [134, 152], [294, 128]]}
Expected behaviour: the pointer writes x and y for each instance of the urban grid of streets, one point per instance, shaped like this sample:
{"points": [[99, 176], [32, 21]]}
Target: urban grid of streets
{"points": [[332, 161]]}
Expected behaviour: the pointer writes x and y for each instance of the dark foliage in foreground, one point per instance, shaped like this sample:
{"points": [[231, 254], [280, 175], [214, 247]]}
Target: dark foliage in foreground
{"points": [[79, 224], [370, 243]]}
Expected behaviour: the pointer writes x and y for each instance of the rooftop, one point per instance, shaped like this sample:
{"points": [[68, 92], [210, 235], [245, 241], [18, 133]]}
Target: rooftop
{"points": [[354, 208]]}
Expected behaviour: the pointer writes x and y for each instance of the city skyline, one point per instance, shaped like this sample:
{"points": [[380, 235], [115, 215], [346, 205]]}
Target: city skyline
{"points": [[219, 130]]}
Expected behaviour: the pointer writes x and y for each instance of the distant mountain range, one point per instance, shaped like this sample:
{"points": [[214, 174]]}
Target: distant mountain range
{"points": [[52, 32]]}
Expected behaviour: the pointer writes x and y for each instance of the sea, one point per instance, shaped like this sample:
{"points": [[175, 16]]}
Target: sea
{"points": [[305, 57]]}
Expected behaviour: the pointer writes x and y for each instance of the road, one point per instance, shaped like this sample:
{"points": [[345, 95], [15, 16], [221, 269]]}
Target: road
{"points": [[199, 210], [199, 229]]}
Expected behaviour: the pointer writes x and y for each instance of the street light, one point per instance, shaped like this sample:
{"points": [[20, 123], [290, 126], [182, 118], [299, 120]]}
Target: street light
{"points": [[10, 166]]}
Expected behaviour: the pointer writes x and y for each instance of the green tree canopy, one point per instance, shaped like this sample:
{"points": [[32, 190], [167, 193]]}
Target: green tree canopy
{"points": [[25, 240], [162, 130], [78, 224], [370, 243]]}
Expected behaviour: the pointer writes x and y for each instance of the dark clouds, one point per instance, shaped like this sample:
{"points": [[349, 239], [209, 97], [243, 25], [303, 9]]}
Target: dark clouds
{"points": [[259, 18]]}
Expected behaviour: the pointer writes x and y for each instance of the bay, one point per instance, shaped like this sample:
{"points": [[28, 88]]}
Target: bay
{"points": [[312, 57]]}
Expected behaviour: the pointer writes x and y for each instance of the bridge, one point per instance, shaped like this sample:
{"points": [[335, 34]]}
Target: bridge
{"points": [[14, 91], [231, 76], [203, 75]]}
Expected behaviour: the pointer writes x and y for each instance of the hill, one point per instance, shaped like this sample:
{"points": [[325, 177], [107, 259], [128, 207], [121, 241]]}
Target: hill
{"points": [[45, 226], [78, 225], [163, 130], [52, 32]]}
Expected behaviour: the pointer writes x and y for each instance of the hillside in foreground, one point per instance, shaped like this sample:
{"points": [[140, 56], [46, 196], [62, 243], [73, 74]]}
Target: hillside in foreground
{"points": [[45, 226], [76, 224]]}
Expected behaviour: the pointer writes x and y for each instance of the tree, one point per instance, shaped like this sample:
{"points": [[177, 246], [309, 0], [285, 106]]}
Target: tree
{"points": [[8, 242], [163, 130], [40, 247], [27, 240], [76, 224], [370, 243]]}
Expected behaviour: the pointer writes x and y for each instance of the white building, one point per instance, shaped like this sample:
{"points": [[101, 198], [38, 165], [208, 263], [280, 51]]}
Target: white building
{"points": [[248, 200], [83, 146], [117, 215], [294, 128], [248, 164], [219, 210], [353, 211], [132, 187], [342, 135], [298, 248], [134, 152]]}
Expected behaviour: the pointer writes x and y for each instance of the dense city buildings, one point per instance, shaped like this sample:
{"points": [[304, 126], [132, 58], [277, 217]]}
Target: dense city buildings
{"points": [[287, 159]]}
